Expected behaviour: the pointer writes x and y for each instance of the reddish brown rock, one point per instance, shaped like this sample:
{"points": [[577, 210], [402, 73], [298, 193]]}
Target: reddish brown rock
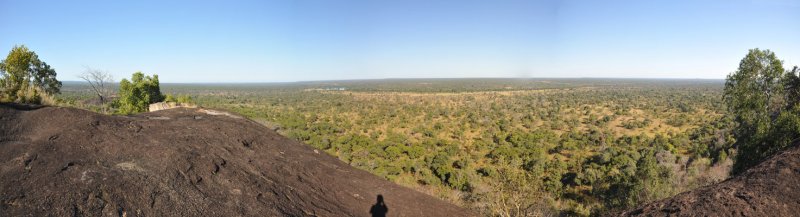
{"points": [[768, 189], [180, 162]]}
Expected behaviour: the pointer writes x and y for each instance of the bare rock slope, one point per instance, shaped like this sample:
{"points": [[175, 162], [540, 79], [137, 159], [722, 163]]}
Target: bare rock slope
{"points": [[181, 162], [772, 188]]}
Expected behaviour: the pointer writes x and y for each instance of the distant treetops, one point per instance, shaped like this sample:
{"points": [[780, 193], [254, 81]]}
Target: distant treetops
{"points": [[26, 79], [762, 98]]}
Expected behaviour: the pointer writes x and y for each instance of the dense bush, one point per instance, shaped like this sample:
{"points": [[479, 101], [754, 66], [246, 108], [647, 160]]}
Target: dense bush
{"points": [[136, 95]]}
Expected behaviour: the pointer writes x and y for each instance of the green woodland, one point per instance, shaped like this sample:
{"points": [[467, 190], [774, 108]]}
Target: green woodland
{"points": [[588, 146], [516, 147], [504, 147]]}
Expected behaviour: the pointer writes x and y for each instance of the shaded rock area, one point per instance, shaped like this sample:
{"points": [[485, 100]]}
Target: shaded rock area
{"points": [[58, 161], [772, 188]]}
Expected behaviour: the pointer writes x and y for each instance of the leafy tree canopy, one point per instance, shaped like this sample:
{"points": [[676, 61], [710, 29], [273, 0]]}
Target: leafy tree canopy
{"points": [[135, 95], [761, 96], [23, 76]]}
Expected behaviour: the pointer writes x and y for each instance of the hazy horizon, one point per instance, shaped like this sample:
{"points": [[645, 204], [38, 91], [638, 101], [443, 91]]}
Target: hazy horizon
{"points": [[423, 79], [291, 41]]}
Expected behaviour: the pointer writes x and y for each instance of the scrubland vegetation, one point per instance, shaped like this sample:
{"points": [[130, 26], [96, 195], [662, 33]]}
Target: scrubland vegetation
{"points": [[505, 147], [519, 147]]}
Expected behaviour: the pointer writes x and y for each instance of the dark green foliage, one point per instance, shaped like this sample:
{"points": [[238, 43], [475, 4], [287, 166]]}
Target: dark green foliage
{"points": [[24, 78], [414, 151], [791, 84], [634, 124], [137, 94], [624, 178], [761, 97], [443, 167]]}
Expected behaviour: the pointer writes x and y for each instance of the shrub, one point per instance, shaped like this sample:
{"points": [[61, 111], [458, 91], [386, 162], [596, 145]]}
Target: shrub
{"points": [[137, 94]]}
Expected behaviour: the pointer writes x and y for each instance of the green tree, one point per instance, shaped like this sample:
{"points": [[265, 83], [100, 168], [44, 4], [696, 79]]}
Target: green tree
{"points": [[178, 99], [170, 98], [515, 193], [758, 96], [184, 99], [652, 180], [791, 83], [137, 94], [23, 76]]}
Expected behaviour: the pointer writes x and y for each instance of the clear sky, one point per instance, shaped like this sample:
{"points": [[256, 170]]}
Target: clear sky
{"points": [[293, 40]]}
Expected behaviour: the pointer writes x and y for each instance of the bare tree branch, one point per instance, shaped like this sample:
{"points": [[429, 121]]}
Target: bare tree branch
{"points": [[100, 81]]}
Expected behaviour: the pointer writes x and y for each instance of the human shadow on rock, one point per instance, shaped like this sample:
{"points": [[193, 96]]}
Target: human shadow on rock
{"points": [[379, 209]]}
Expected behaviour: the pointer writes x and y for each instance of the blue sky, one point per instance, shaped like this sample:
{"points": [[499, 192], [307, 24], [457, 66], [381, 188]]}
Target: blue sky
{"points": [[294, 40]]}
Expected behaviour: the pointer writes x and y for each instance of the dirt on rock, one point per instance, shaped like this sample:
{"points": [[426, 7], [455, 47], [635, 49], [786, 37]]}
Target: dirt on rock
{"points": [[772, 188], [58, 161]]}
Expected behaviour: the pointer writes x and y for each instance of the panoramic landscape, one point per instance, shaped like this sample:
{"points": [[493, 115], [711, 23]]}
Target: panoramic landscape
{"points": [[400, 109]]}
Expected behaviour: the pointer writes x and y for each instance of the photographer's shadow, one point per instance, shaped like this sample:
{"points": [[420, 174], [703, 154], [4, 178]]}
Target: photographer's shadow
{"points": [[379, 209]]}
